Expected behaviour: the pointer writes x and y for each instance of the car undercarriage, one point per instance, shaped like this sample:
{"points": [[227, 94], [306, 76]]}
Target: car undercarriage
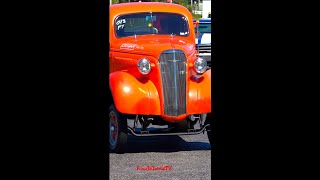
{"points": [[155, 126]]}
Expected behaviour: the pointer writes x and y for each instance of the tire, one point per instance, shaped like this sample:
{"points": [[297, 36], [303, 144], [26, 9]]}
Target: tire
{"points": [[209, 133], [117, 131], [209, 136]]}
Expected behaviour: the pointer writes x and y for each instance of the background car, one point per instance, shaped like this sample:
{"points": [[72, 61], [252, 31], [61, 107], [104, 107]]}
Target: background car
{"points": [[203, 38]]}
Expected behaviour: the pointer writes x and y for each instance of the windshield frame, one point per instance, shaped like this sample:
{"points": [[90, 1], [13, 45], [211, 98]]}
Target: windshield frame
{"points": [[118, 16]]}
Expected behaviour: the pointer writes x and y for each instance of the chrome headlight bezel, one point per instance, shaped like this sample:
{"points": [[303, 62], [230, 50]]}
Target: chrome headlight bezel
{"points": [[144, 66], [200, 65]]}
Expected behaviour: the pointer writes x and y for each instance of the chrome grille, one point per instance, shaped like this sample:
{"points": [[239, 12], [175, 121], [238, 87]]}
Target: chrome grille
{"points": [[173, 75], [205, 48]]}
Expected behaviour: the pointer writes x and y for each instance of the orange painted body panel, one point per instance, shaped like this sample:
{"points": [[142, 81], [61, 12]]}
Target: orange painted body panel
{"points": [[174, 119], [132, 96], [134, 93], [200, 94]]}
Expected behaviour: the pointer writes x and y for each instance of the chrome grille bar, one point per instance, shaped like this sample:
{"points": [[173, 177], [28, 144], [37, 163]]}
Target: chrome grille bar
{"points": [[173, 75], [204, 48]]}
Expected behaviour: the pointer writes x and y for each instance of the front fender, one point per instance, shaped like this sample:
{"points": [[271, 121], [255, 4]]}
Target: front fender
{"points": [[133, 96], [199, 99]]}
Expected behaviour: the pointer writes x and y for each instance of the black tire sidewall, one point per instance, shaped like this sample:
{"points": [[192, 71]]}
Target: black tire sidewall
{"points": [[209, 121], [122, 135]]}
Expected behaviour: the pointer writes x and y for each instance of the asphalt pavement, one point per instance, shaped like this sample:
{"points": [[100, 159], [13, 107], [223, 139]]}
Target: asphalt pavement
{"points": [[163, 157]]}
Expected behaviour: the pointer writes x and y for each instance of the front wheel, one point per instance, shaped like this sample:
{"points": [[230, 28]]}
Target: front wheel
{"points": [[209, 136], [209, 130], [117, 130]]}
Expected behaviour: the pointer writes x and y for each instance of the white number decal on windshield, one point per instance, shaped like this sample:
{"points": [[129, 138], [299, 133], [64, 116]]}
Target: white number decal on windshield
{"points": [[120, 23]]}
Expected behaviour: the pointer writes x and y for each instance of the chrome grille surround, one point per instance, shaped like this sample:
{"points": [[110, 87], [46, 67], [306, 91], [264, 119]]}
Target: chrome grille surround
{"points": [[172, 64]]}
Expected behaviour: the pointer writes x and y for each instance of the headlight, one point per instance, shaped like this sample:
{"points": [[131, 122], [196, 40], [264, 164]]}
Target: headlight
{"points": [[144, 66], [200, 65]]}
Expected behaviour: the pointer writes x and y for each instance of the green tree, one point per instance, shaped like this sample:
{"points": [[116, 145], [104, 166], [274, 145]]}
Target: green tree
{"points": [[181, 2], [115, 1], [184, 3]]}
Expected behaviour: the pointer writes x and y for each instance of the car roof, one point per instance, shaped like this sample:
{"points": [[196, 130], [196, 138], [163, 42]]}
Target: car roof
{"points": [[203, 20], [137, 7]]}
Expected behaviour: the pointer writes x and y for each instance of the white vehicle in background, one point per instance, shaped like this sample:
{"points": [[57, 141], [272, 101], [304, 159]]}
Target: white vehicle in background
{"points": [[203, 38]]}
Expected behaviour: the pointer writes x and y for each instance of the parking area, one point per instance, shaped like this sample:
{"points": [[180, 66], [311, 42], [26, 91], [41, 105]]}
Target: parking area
{"points": [[168, 157]]}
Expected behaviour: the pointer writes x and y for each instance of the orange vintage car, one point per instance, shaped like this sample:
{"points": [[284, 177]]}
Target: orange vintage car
{"points": [[159, 84]]}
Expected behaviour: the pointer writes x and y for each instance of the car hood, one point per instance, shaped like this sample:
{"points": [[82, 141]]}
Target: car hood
{"points": [[154, 45]]}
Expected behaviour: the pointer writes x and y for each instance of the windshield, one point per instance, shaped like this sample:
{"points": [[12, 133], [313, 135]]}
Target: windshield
{"points": [[151, 23], [204, 28]]}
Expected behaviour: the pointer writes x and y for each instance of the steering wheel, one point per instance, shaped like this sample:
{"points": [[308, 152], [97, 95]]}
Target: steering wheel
{"points": [[155, 30]]}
